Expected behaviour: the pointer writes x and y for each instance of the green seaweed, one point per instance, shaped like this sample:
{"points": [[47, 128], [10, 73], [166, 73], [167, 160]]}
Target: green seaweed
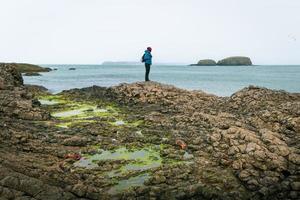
{"points": [[71, 112], [140, 159]]}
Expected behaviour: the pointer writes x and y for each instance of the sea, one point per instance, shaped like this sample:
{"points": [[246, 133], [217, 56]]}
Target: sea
{"points": [[218, 80]]}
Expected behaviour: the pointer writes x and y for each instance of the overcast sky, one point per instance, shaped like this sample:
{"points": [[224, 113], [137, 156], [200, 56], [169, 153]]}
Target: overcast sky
{"points": [[184, 31]]}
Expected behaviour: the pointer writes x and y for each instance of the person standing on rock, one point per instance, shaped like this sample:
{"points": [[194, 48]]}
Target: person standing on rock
{"points": [[147, 59]]}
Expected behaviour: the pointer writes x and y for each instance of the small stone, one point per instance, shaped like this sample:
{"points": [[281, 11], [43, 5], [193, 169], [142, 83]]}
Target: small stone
{"points": [[259, 155], [295, 186], [283, 150], [216, 137], [159, 179], [244, 175], [294, 194], [242, 148], [236, 165], [267, 181], [250, 147], [295, 158], [253, 182], [225, 162], [233, 150], [264, 191], [197, 140], [79, 190]]}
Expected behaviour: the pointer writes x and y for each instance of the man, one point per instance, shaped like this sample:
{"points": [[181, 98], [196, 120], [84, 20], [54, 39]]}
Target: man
{"points": [[147, 59]]}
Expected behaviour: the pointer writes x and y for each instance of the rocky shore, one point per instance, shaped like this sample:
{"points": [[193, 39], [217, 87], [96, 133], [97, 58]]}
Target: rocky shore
{"points": [[147, 141], [28, 68]]}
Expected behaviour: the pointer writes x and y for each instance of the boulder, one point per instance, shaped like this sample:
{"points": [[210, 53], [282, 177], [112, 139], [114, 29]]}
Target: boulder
{"points": [[236, 61]]}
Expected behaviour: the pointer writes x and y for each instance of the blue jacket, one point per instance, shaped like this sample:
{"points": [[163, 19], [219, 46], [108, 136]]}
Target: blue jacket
{"points": [[148, 57]]}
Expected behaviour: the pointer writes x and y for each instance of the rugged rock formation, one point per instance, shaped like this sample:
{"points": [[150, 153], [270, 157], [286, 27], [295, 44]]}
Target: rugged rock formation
{"points": [[246, 146], [15, 100], [238, 60], [255, 132], [9, 77]]}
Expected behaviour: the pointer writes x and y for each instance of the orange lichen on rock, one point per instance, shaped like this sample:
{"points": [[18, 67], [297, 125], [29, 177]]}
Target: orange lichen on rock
{"points": [[181, 143]]}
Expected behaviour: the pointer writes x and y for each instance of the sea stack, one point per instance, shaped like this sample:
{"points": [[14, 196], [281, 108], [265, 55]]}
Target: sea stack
{"points": [[235, 61], [206, 62]]}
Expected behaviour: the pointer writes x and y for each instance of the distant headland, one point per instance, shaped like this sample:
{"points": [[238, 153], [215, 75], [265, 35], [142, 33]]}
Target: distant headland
{"points": [[29, 68]]}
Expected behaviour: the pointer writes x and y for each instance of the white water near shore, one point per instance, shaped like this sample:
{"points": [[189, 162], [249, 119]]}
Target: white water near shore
{"points": [[219, 80]]}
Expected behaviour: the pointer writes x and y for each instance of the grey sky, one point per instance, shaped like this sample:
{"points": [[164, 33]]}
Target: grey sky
{"points": [[92, 31]]}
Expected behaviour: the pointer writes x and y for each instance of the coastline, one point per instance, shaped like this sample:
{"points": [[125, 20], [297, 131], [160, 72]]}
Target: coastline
{"points": [[222, 81], [239, 147]]}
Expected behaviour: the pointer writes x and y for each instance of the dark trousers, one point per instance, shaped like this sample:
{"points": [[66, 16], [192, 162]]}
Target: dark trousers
{"points": [[147, 66]]}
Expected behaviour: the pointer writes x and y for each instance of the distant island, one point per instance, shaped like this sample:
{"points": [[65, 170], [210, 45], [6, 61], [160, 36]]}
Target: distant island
{"points": [[230, 61], [205, 62]]}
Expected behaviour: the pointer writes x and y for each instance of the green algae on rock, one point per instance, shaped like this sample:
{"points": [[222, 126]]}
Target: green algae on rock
{"points": [[51, 99], [132, 167], [71, 112], [140, 159]]}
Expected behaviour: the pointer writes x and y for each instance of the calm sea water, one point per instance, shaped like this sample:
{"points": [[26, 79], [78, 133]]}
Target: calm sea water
{"points": [[219, 80]]}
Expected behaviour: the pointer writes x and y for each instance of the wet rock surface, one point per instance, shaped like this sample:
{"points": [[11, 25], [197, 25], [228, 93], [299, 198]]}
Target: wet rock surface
{"points": [[151, 141]]}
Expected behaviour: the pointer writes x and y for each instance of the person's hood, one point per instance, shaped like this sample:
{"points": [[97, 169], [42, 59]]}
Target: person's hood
{"points": [[147, 51]]}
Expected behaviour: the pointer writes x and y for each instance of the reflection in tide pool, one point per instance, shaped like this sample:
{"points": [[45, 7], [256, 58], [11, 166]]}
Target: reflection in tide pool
{"points": [[48, 102]]}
